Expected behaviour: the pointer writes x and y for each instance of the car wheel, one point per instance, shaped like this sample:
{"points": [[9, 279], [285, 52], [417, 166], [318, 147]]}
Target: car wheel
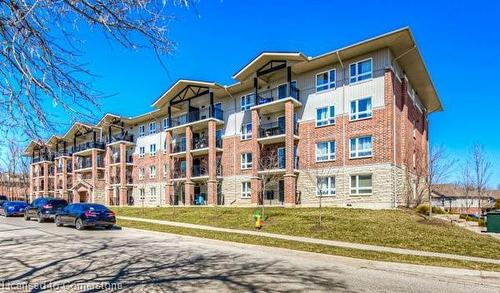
{"points": [[79, 224], [58, 221], [26, 218], [109, 227], [39, 218]]}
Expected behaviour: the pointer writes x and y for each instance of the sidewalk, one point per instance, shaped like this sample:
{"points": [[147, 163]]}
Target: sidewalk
{"points": [[319, 241]]}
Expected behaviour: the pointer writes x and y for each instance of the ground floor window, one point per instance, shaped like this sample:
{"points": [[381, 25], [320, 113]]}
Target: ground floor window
{"points": [[325, 186], [361, 184], [246, 189]]}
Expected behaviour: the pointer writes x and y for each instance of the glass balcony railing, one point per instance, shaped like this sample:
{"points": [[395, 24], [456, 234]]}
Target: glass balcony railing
{"points": [[197, 115], [179, 146], [199, 170], [88, 145], [121, 137], [275, 128], [277, 93]]}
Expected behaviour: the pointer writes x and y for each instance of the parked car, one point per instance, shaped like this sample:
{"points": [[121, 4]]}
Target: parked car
{"points": [[3, 198], [44, 208], [13, 208], [82, 215]]}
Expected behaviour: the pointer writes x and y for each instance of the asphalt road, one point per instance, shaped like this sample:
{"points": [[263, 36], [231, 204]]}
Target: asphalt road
{"points": [[40, 257]]}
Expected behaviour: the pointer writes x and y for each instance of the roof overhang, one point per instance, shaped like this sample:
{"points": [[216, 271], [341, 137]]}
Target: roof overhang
{"points": [[404, 48], [264, 58], [33, 145], [108, 119], [187, 88], [78, 126]]}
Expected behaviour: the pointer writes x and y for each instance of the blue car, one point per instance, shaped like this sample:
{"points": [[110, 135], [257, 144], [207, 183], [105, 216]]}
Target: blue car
{"points": [[13, 208], [82, 215]]}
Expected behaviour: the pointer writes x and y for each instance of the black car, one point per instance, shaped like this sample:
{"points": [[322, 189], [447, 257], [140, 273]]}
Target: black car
{"points": [[3, 198], [82, 215], [44, 208]]}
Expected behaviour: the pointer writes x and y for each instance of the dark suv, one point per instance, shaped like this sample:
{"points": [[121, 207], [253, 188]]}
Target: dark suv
{"points": [[44, 208]]}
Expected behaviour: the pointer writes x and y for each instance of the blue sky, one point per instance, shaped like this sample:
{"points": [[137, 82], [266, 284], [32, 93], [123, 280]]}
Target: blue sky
{"points": [[456, 39]]}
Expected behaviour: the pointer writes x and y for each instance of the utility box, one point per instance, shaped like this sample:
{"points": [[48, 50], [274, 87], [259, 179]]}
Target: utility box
{"points": [[493, 222]]}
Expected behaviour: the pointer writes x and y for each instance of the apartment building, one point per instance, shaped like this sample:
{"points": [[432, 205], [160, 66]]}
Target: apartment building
{"points": [[347, 126]]}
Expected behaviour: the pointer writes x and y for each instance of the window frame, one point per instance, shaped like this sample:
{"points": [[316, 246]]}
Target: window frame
{"points": [[357, 75], [142, 130], [329, 151], [244, 164], [247, 105], [152, 130], [357, 112], [246, 192], [331, 192], [357, 150], [329, 83], [330, 120], [246, 135], [165, 123], [151, 196], [142, 173], [152, 171], [357, 188], [152, 153]]}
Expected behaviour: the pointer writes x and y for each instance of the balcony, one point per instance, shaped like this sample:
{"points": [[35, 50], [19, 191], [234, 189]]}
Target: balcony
{"points": [[197, 115], [47, 157], [128, 138], [62, 154], [88, 146], [200, 171], [275, 132], [276, 163], [179, 146], [178, 173], [116, 158]]}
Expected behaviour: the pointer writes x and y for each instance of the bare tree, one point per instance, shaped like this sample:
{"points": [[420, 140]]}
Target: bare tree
{"points": [[481, 171], [177, 184], [269, 162], [415, 178], [439, 166], [466, 182], [41, 52], [16, 177], [321, 188]]}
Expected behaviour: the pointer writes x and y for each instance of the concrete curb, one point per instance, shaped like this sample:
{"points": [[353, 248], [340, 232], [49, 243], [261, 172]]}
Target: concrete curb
{"points": [[319, 241]]}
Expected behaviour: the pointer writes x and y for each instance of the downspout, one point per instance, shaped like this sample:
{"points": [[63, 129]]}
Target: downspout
{"points": [[234, 145], [344, 113]]}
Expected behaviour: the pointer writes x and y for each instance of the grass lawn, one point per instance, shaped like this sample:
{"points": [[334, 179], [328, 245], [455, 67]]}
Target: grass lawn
{"points": [[371, 255], [394, 228]]}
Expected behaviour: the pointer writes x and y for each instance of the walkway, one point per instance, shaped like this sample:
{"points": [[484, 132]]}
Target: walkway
{"points": [[318, 241]]}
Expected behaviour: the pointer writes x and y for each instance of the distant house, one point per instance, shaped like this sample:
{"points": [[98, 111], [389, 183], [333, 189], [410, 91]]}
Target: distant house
{"points": [[14, 186], [452, 197]]}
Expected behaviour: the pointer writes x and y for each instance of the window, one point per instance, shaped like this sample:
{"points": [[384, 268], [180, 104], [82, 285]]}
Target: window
{"points": [[361, 184], [246, 189], [325, 151], [361, 109], [142, 150], [152, 194], [152, 127], [246, 131], [247, 102], [360, 147], [325, 116], [142, 194], [141, 173], [325, 186], [361, 70], [165, 123], [325, 80], [152, 171], [246, 161], [165, 170], [141, 130], [152, 149]]}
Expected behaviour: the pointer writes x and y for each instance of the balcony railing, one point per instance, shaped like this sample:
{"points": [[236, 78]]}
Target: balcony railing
{"points": [[46, 157], [278, 163], [199, 170], [178, 173], [84, 164], [116, 158], [277, 93], [179, 146], [88, 145], [197, 115], [121, 137], [275, 128]]}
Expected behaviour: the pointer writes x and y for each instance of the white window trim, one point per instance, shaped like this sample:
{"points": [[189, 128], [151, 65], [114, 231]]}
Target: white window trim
{"points": [[151, 153], [329, 151], [165, 169], [331, 192], [329, 117], [329, 83], [151, 173], [356, 151], [245, 165], [246, 106], [248, 193], [357, 74], [142, 130], [141, 173], [152, 130], [165, 123], [357, 113], [246, 135], [357, 188]]}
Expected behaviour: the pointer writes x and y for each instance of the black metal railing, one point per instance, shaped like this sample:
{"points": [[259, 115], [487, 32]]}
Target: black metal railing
{"points": [[45, 157], [200, 142], [121, 137], [197, 115], [179, 146], [178, 173], [199, 170], [84, 163], [88, 145], [277, 93], [275, 128]]}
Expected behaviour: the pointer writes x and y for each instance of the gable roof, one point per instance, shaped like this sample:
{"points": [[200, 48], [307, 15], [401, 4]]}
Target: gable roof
{"points": [[180, 85]]}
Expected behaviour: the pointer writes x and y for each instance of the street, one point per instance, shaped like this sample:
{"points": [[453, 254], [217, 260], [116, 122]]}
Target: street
{"points": [[133, 260]]}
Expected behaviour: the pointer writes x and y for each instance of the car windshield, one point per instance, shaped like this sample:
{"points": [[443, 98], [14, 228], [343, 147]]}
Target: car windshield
{"points": [[58, 202], [95, 207]]}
